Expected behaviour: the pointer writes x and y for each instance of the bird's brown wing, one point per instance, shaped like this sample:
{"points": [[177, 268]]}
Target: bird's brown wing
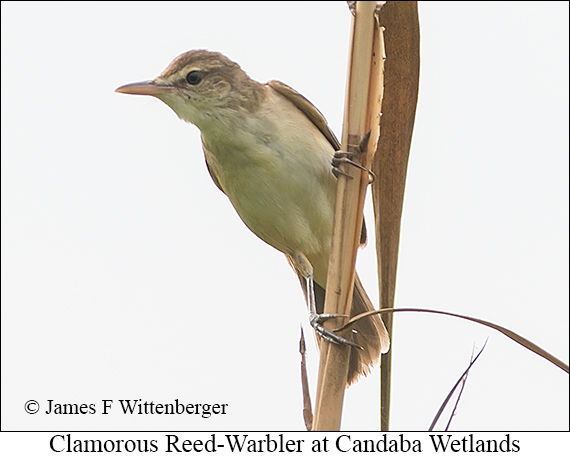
{"points": [[317, 118], [308, 109]]}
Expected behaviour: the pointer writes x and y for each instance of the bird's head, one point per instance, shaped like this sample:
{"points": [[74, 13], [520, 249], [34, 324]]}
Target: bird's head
{"points": [[202, 86]]}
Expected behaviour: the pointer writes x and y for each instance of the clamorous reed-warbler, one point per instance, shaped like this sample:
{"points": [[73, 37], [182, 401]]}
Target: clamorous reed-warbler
{"points": [[270, 151]]}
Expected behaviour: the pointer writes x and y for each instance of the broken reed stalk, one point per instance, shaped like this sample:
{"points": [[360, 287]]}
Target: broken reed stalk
{"points": [[307, 409], [333, 368]]}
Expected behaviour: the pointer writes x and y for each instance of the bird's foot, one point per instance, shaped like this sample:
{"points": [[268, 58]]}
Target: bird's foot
{"points": [[354, 152], [316, 321]]}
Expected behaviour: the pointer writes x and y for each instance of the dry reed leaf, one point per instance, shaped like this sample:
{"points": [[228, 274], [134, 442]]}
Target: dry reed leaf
{"points": [[463, 378], [512, 335], [401, 79]]}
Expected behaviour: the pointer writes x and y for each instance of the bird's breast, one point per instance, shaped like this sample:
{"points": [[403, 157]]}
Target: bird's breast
{"points": [[280, 182]]}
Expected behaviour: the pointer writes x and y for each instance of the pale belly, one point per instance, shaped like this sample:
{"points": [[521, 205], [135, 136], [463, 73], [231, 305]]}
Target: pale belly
{"points": [[288, 204]]}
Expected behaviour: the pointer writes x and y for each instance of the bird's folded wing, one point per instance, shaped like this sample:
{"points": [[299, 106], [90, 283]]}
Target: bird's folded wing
{"points": [[317, 118], [308, 109]]}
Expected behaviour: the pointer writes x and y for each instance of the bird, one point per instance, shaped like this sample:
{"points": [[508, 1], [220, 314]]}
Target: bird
{"points": [[270, 151]]}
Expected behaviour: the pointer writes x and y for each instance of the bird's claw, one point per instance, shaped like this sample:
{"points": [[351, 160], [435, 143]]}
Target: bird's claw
{"points": [[344, 157], [316, 322], [354, 150]]}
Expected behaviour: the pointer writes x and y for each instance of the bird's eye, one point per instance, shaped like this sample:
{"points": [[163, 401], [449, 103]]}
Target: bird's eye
{"points": [[194, 77]]}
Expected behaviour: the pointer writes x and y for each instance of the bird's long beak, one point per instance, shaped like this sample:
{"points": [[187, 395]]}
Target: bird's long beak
{"points": [[144, 88]]}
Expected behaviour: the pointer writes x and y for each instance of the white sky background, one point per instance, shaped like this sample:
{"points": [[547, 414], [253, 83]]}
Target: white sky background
{"points": [[126, 274]]}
